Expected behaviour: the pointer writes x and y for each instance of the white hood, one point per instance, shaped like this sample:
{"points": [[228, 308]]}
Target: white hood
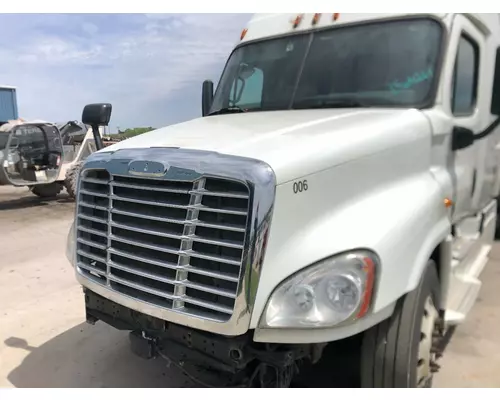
{"points": [[294, 143]]}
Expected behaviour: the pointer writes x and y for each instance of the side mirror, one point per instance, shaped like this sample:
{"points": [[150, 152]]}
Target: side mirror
{"points": [[97, 114], [461, 138], [207, 97]]}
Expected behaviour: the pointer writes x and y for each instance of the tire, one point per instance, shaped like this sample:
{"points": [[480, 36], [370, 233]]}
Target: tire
{"points": [[48, 190], [71, 178], [398, 352]]}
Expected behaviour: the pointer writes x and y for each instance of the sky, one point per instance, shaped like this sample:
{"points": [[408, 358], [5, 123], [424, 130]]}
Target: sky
{"points": [[150, 67]]}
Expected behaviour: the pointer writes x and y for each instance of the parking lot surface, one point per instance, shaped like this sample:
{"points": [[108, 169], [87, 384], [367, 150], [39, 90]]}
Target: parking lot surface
{"points": [[45, 342]]}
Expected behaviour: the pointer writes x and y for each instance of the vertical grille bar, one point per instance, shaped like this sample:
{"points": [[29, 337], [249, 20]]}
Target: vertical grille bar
{"points": [[177, 245], [110, 209], [187, 242]]}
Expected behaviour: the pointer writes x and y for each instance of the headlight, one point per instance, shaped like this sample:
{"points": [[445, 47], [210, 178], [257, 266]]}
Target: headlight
{"points": [[71, 246], [331, 292]]}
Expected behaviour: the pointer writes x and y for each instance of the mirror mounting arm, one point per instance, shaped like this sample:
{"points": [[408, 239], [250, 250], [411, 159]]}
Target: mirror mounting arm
{"points": [[464, 137], [97, 137], [489, 129]]}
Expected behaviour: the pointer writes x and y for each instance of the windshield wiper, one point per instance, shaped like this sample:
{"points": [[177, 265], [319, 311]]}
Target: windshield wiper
{"points": [[228, 110]]}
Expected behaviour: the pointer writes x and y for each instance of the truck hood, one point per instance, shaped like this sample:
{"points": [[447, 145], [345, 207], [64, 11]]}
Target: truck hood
{"points": [[294, 143]]}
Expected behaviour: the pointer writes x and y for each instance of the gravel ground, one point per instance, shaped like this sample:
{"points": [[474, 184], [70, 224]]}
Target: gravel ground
{"points": [[44, 341]]}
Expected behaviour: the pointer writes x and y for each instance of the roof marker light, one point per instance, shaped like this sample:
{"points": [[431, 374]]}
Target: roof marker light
{"points": [[243, 33], [336, 16], [316, 18], [298, 19]]}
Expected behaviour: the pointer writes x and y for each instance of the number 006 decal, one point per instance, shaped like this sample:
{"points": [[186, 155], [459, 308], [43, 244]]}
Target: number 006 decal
{"points": [[300, 186]]}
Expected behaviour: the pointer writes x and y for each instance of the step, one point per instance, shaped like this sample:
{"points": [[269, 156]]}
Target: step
{"points": [[467, 291], [462, 246], [469, 227], [470, 255]]}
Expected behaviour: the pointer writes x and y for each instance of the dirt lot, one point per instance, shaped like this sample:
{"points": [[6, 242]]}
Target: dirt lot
{"points": [[44, 341]]}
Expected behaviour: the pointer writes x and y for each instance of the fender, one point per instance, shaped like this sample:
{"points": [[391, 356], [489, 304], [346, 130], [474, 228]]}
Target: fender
{"points": [[400, 215], [436, 236]]}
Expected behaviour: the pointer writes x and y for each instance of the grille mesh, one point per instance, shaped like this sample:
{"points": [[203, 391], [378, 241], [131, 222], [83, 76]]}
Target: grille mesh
{"points": [[178, 245]]}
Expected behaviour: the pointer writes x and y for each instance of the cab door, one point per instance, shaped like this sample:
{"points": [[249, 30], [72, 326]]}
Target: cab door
{"points": [[489, 146], [465, 104], [32, 156]]}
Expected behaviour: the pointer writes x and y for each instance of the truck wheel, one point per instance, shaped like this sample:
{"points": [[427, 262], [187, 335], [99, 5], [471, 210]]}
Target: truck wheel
{"points": [[48, 190], [71, 178], [399, 351]]}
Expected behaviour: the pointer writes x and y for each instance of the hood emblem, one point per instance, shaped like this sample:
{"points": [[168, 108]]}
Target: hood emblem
{"points": [[147, 168]]}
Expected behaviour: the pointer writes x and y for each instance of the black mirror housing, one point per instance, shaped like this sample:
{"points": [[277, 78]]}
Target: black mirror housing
{"points": [[461, 138], [207, 97], [98, 114], [95, 115]]}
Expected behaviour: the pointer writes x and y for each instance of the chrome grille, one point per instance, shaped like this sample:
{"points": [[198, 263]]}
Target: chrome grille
{"points": [[178, 245]]}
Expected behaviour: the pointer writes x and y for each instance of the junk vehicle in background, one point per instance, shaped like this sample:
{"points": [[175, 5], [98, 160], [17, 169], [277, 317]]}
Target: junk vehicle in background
{"points": [[78, 144], [24, 150], [331, 211], [30, 155]]}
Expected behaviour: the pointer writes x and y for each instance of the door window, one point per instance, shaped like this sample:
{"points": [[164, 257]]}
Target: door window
{"points": [[465, 78]]}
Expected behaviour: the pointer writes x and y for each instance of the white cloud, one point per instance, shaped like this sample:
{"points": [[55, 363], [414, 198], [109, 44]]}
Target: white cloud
{"points": [[143, 64]]}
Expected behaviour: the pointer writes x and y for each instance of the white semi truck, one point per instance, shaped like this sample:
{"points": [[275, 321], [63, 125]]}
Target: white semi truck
{"points": [[332, 211]]}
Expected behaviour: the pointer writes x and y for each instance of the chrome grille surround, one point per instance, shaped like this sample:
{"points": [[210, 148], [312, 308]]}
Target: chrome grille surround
{"points": [[191, 175]]}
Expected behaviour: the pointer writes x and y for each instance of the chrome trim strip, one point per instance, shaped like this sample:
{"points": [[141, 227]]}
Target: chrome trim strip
{"points": [[91, 244], [100, 208], [92, 193], [147, 202], [142, 259], [91, 256], [150, 217], [219, 194], [90, 268], [191, 166], [159, 278], [192, 237], [147, 187], [97, 181], [94, 219], [91, 231]]}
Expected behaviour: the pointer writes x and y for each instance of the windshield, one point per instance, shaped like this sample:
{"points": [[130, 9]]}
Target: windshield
{"points": [[389, 64]]}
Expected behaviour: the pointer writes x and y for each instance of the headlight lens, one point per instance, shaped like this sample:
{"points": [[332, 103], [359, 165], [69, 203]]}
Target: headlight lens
{"points": [[331, 292], [71, 245]]}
